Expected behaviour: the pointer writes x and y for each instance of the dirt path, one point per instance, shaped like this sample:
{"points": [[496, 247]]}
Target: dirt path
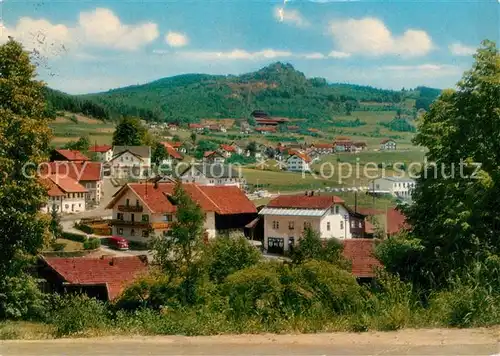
{"points": [[405, 342]]}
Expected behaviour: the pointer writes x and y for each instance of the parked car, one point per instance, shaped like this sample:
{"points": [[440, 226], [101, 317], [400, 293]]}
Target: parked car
{"points": [[118, 243]]}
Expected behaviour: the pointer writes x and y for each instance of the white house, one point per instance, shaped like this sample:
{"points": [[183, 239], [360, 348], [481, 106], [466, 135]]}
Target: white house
{"points": [[298, 162], [88, 174], [213, 157], [65, 194], [323, 148], [129, 162], [399, 187], [104, 153], [143, 209], [388, 145], [286, 217], [212, 174]]}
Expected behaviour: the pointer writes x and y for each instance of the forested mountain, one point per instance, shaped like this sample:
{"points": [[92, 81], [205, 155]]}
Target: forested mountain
{"points": [[278, 89]]}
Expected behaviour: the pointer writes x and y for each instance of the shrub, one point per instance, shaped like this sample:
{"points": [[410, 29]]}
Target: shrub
{"points": [[77, 314], [85, 228], [226, 255], [254, 291], [74, 237], [58, 246], [318, 286], [21, 299], [92, 244]]}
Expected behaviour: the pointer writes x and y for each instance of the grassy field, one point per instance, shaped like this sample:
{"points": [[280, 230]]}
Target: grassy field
{"points": [[65, 130]]}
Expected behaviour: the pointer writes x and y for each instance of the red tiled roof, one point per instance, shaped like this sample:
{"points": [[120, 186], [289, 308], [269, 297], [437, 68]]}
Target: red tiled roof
{"points": [[359, 144], [229, 199], [172, 152], [220, 199], [195, 126], [73, 155], [280, 119], [323, 145], [266, 121], [176, 144], [67, 184], [80, 171], [369, 227], [395, 221], [228, 148], [386, 140], [301, 155], [208, 153], [261, 129], [360, 253], [52, 189], [100, 148], [116, 272], [369, 211], [301, 201]]}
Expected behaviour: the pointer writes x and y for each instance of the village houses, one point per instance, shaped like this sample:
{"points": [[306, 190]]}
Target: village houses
{"points": [[212, 174], [129, 162], [140, 209], [213, 157], [388, 145], [298, 162], [286, 217], [399, 187], [103, 153], [65, 194]]}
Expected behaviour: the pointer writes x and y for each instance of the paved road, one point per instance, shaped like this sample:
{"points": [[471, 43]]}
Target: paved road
{"points": [[408, 342]]}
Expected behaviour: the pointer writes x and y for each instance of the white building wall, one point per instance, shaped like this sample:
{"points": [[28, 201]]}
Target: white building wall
{"points": [[297, 164]]}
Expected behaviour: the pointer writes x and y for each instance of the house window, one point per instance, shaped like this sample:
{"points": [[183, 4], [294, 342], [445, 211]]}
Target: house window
{"points": [[145, 233], [291, 225], [341, 225], [137, 202], [337, 209], [328, 226], [79, 205], [360, 224], [168, 217], [120, 231], [66, 206], [132, 217], [132, 232], [276, 225], [128, 202], [145, 218], [119, 216]]}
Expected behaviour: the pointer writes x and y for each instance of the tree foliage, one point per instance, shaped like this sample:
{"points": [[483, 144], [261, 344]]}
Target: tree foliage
{"points": [[453, 218], [82, 144], [178, 253], [129, 132], [24, 142]]}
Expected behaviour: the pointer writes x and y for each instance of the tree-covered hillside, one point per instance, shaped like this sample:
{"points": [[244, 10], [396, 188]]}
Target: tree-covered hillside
{"points": [[278, 89]]}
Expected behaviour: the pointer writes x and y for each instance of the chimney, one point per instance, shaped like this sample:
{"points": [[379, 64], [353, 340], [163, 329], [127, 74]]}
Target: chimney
{"points": [[112, 261], [312, 193], [306, 194]]}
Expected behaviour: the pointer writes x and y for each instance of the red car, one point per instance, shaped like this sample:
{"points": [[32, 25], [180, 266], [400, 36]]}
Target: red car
{"points": [[118, 243]]}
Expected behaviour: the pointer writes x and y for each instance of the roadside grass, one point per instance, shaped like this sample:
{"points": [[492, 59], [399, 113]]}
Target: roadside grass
{"points": [[11, 330]]}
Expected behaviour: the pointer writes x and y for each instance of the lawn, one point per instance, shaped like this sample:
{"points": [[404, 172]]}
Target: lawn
{"points": [[71, 246], [65, 130]]}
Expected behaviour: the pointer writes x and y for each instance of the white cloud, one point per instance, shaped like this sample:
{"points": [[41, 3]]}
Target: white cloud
{"points": [[338, 54], [101, 27], [427, 70], [459, 49], [371, 37], [40, 35], [291, 16], [314, 55], [235, 54], [176, 39]]}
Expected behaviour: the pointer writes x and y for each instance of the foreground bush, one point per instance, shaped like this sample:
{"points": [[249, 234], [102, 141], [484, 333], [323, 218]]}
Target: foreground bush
{"points": [[76, 314], [21, 299]]}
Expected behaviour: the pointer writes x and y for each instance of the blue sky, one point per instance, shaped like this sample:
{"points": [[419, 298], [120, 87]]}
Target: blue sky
{"points": [[89, 46]]}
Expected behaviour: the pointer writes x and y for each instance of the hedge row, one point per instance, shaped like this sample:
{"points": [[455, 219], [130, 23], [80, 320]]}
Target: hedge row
{"points": [[74, 237]]}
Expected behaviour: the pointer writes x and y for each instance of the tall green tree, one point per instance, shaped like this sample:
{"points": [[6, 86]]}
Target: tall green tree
{"points": [[82, 144], [55, 227], [159, 153], [129, 132], [24, 144], [454, 218], [178, 253]]}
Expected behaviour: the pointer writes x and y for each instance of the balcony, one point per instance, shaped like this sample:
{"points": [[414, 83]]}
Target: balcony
{"points": [[130, 208], [120, 222]]}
